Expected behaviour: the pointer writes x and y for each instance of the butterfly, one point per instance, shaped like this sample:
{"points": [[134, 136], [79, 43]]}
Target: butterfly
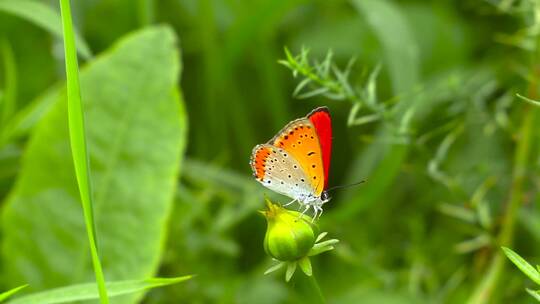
{"points": [[296, 161]]}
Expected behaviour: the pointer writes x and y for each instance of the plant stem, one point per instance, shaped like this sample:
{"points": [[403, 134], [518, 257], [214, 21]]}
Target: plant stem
{"points": [[486, 287], [77, 136], [315, 290], [10, 83]]}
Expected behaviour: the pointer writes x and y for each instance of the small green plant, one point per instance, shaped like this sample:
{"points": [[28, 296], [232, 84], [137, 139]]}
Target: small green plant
{"points": [[291, 239], [526, 268], [327, 79]]}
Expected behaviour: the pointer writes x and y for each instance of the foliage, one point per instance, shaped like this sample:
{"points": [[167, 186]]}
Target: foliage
{"points": [[434, 104], [9, 293], [526, 268], [89, 291]]}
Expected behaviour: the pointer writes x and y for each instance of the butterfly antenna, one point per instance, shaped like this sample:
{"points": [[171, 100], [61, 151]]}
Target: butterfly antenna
{"points": [[346, 186]]}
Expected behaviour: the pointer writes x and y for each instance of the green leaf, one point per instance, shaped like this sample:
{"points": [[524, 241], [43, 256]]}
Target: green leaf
{"points": [[136, 135], [397, 41], [9, 293], [523, 265], [43, 16], [88, 291], [534, 293], [25, 119]]}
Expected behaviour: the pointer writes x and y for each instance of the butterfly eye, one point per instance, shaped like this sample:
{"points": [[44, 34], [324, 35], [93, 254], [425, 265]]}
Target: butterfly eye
{"points": [[325, 196]]}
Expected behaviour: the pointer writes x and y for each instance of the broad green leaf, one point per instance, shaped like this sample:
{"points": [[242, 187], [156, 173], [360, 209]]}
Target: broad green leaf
{"points": [[89, 291], [9, 293], [525, 267], [43, 16], [136, 128]]}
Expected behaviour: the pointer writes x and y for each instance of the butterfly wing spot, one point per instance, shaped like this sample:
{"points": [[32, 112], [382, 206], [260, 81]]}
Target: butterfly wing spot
{"points": [[311, 153], [279, 170]]}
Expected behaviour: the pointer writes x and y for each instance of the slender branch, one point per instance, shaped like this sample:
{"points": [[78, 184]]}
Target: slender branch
{"points": [[485, 289], [315, 290]]}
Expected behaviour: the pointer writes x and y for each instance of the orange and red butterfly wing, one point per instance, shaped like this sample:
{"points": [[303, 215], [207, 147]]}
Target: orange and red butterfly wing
{"points": [[299, 138], [297, 157], [320, 118]]}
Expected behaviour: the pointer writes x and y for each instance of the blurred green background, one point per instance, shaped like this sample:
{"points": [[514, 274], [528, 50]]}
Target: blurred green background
{"points": [[178, 92]]}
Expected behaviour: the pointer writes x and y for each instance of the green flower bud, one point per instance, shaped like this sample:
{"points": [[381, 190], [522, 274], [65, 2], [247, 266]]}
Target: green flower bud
{"points": [[289, 235]]}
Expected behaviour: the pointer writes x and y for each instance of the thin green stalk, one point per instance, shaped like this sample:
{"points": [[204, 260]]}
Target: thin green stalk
{"points": [[315, 290], [10, 85], [485, 289], [146, 12], [77, 137]]}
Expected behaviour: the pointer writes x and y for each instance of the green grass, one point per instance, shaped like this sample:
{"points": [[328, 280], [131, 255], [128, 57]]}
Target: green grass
{"points": [[9, 293], [79, 149]]}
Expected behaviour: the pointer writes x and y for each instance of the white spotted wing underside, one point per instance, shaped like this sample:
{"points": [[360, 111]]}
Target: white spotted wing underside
{"points": [[279, 171]]}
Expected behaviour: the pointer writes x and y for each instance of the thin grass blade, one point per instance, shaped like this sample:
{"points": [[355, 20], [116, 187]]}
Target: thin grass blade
{"points": [[77, 135], [9, 293]]}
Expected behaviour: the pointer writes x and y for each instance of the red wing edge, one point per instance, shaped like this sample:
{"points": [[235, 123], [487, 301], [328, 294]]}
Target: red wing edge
{"points": [[320, 118]]}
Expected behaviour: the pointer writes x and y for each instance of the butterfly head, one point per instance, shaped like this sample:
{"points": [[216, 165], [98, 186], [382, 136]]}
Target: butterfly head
{"points": [[325, 197]]}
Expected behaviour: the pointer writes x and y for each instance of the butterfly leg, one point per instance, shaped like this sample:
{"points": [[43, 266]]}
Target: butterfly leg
{"points": [[320, 211], [287, 204], [316, 209], [303, 212], [305, 209]]}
